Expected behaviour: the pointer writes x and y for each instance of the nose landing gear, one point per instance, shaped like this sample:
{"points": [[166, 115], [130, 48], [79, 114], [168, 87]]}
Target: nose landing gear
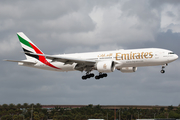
{"points": [[162, 71], [163, 66]]}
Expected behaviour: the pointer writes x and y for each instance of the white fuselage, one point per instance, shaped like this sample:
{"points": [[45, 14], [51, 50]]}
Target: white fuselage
{"points": [[122, 58]]}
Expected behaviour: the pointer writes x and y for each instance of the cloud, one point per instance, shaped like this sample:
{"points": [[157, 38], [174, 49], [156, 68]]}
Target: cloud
{"points": [[68, 26], [8, 45], [170, 18]]}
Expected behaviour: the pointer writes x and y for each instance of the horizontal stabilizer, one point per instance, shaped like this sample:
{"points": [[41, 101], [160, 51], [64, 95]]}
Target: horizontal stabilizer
{"points": [[21, 61]]}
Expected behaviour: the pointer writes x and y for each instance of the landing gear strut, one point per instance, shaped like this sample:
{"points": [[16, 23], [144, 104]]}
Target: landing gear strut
{"points": [[101, 75], [163, 66]]}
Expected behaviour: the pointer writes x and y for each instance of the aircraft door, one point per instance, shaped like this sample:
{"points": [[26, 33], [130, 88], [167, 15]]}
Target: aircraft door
{"points": [[156, 55]]}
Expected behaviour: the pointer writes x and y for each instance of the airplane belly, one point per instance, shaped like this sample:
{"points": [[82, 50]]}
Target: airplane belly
{"points": [[134, 63], [142, 62], [58, 66], [64, 67]]}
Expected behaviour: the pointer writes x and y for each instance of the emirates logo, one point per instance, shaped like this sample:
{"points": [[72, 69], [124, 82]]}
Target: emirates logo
{"points": [[104, 66]]}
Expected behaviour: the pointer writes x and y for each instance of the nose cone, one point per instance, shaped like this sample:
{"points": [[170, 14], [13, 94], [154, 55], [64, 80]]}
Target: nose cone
{"points": [[172, 58], [175, 57]]}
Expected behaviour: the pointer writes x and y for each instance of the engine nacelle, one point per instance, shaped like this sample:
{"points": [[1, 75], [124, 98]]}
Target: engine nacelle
{"points": [[128, 69], [105, 66]]}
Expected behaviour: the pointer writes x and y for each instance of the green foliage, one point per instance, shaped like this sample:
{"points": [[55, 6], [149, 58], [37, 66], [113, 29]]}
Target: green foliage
{"points": [[6, 117], [18, 112], [170, 108], [173, 114]]}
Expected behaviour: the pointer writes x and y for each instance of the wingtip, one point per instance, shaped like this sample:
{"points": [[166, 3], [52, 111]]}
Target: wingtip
{"points": [[7, 60]]}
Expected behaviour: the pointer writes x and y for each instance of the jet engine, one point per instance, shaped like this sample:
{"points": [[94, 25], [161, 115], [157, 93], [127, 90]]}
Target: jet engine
{"points": [[105, 66], [128, 69]]}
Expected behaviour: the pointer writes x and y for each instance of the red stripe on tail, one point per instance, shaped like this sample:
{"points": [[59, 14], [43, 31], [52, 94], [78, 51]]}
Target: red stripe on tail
{"points": [[42, 58]]}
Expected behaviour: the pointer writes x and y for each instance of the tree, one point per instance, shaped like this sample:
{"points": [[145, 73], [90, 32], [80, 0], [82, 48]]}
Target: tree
{"points": [[32, 105], [45, 112], [162, 109], [41, 115], [11, 112], [5, 107], [25, 105], [170, 108], [38, 105], [36, 116], [131, 111], [6, 117], [19, 106], [173, 114], [15, 117], [12, 106]]}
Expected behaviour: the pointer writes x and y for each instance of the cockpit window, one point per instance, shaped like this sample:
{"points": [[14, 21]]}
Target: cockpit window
{"points": [[170, 53]]}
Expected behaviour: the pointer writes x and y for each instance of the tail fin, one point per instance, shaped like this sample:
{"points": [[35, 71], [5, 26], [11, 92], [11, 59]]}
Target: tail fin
{"points": [[28, 46]]}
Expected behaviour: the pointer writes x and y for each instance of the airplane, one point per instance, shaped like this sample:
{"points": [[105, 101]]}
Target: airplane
{"points": [[104, 62]]}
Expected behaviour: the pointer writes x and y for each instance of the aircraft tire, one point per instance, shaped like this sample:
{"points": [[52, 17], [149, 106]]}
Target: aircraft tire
{"points": [[88, 76], [101, 76], [162, 71], [97, 77], [104, 75], [84, 77], [92, 75]]}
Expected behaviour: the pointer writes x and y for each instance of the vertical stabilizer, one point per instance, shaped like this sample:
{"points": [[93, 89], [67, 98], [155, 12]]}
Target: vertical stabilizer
{"points": [[28, 46]]}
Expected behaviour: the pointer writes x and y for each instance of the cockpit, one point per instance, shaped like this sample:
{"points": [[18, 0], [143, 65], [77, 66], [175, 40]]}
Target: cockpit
{"points": [[172, 56], [171, 53]]}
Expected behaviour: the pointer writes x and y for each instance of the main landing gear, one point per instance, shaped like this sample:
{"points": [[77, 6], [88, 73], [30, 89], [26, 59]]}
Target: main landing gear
{"points": [[101, 75], [163, 66], [89, 75]]}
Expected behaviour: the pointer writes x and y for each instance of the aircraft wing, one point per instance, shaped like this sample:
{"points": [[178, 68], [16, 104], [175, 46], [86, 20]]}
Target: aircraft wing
{"points": [[67, 60], [82, 64]]}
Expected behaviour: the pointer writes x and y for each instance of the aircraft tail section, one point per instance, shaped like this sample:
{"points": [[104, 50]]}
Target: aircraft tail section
{"points": [[32, 52], [28, 46]]}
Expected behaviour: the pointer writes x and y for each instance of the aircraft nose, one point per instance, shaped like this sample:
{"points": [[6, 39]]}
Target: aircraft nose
{"points": [[175, 57]]}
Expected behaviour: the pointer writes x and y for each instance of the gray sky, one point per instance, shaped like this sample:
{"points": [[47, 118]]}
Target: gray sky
{"points": [[68, 26]]}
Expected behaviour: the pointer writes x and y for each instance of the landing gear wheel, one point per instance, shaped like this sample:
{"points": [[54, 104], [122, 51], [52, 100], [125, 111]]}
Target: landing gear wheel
{"points": [[84, 77], [101, 76], [97, 77], [162, 71], [87, 76], [104, 75], [163, 66], [92, 75]]}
